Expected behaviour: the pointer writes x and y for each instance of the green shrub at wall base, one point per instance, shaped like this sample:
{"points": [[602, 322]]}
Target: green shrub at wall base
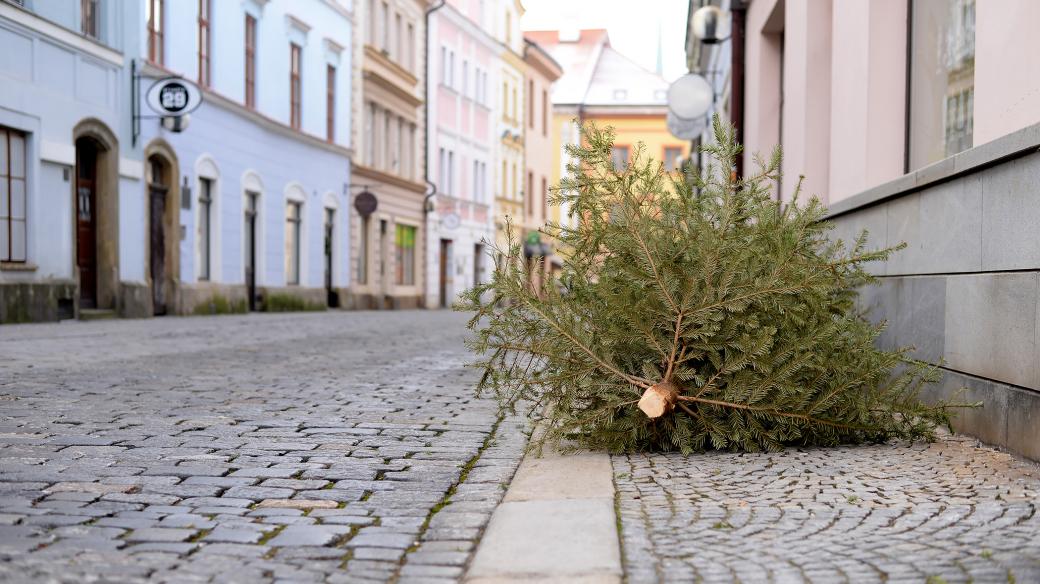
{"points": [[289, 303], [218, 304]]}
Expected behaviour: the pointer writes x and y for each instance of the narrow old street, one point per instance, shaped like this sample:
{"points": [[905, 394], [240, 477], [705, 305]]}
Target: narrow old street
{"points": [[317, 447], [348, 447]]}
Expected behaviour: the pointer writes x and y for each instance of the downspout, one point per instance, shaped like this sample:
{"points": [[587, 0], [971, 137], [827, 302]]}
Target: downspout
{"points": [[739, 12], [431, 188]]}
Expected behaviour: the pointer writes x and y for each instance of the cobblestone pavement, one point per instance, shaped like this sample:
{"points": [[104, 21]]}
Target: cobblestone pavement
{"points": [[927, 513], [302, 447]]}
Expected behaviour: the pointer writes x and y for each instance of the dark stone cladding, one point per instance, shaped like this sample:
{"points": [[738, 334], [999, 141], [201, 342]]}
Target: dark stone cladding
{"points": [[37, 302]]}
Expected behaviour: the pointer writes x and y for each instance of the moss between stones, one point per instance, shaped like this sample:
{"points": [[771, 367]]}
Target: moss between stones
{"points": [[289, 303], [218, 304]]}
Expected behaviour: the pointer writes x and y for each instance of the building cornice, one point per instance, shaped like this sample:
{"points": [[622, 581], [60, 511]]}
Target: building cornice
{"points": [[537, 58], [359, 170], [339, 9], [149, 69], [377, 55], [59, 33]]}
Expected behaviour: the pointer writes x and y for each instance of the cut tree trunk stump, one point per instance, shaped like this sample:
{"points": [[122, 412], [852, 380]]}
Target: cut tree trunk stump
{"points": [[659, 399]]}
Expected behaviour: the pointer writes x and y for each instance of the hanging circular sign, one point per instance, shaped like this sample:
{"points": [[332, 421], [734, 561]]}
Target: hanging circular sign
{"points": [[365, 203], [173, 96]]}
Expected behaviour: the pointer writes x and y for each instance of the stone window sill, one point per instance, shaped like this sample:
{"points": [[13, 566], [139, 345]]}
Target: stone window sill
{"points": [[17, 267]]}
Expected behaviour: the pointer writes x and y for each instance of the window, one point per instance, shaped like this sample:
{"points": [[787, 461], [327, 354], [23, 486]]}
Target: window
{"points": [[204, 42], [404, 245], [292, 243], [410, 48], [673, 158], [530, 103], [443, 161], [444, 65], [250, 61], [330, 103], [465, 78], [505, 100], [387, 152], [505, 179], [205, 237], [410, 150], [12, 196], [619, 156], [451, 69], [294, 85], [545, 112], [88, 15], [154, 10], [509, 27], [384, 21], [398, 38], [370, 37], [942, 80], [476, 180], [362, 274], [515, 192], [451, 171], [370, 138], [529, 193], [394, 140], [515, 114], [545, 199]]}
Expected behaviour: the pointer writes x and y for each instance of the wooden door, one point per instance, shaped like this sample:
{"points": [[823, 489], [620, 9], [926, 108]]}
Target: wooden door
{"points": [[445, 271], [250, 255], [332, 298], [157, 241], [86, 223]]}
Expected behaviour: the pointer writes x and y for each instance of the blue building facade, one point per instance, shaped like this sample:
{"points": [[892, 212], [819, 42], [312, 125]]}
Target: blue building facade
{"points": [[105, 212]]}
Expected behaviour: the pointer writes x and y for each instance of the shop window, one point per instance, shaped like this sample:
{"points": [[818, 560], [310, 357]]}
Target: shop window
{"points": [[404, 246]]}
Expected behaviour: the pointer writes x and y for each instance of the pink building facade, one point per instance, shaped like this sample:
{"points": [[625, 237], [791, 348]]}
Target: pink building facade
{"points": [[463, 59], [919, 122]]}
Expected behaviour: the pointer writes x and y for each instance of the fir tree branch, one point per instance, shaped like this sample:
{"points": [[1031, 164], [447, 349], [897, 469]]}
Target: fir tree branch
{"points": [[774, 412]]}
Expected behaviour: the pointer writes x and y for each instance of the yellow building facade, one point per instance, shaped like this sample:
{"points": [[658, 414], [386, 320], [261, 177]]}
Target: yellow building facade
{"points": [[602, 86]]}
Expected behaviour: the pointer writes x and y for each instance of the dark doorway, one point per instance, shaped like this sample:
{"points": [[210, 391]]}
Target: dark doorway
{"points": [[158, 189], [445, 270], [478, 263], [250, 249], [86, 220], [330, 291]]}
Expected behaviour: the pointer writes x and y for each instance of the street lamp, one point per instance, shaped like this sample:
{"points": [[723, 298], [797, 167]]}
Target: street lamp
{"points": [[711, 24]]}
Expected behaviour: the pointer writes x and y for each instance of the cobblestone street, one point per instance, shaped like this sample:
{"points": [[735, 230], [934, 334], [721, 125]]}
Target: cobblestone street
{"points": [[942, 513], [297, 447]]}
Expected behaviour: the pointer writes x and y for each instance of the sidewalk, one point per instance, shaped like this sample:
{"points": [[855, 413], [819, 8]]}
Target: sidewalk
{"points": [[941, 513]]}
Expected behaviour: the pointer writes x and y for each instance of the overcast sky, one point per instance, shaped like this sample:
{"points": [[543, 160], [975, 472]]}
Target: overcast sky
{"points": [[633, 26]]}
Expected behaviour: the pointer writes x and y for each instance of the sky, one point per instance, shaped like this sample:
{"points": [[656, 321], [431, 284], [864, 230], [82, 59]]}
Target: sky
{"points": [[633, 26]]}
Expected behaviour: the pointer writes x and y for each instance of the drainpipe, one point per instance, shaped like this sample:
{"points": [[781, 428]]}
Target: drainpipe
{"points": [[431, 188], [739, 12]]}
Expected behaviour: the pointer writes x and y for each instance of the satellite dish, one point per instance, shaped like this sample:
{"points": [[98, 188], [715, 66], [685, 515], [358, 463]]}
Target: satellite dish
{"points": [[690, 96]]}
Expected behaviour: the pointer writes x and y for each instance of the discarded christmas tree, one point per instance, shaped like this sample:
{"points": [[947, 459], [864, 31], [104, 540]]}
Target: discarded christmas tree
{"points": [[693, 316]]}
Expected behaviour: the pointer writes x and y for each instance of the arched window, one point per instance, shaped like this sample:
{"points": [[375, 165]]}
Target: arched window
{"points": [[294, 200], [207, 224]]}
